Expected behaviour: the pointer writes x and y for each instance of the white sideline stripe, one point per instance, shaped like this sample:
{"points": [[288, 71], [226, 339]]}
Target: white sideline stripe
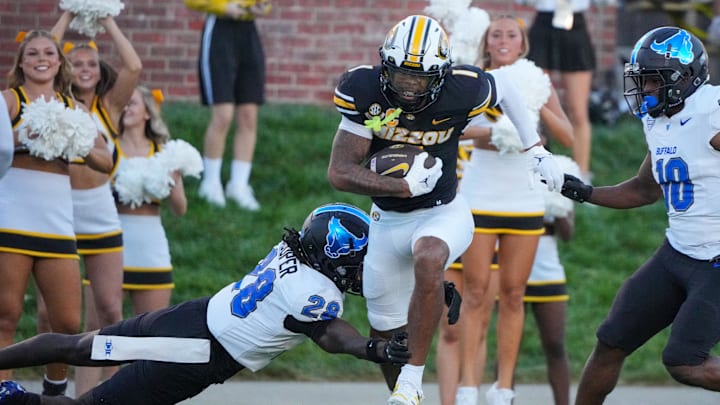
{"points": [[205, 58], [169, 349]]}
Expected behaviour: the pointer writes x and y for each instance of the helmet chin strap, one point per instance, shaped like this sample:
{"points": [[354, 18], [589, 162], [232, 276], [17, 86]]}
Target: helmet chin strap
{"points": [[648, 103]]}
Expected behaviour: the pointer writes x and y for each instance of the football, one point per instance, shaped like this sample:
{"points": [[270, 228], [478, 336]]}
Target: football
{"points": [[396, 160]]}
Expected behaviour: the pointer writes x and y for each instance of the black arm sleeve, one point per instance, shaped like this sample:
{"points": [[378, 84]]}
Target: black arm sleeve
{"points": [[333, 336], [309, 329]]}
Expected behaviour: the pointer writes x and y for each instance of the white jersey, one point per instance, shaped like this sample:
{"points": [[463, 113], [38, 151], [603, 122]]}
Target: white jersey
{"points": [[687, 168], [247, 316]]}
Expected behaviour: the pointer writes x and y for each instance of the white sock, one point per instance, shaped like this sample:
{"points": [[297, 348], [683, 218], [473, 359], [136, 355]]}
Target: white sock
{"points": [[240, 172], [412, 374], [56, 382], [212, 170]]}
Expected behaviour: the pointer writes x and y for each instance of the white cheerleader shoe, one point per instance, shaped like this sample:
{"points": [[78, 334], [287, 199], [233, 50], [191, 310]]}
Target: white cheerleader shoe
{"points": [[243, 196], [499, 396]]}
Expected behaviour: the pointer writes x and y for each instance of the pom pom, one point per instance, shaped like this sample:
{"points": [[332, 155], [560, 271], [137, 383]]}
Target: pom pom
{"points": [[39, 130], [177, 154], [128, 182], [505, 137], [82, 131], [557, 205], [447, 11], [88, 12], [536, 84], [158, 181], [141, 180], [467, 33], [466, 26], [50, 130]]}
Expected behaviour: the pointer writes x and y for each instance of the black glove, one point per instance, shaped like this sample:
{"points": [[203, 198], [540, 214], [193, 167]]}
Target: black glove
{"points": [[574, 189], [453, 301], [395, 350]]}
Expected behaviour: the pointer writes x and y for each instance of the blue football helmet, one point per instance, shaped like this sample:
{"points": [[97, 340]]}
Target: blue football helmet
{"points": [[670, 56], [11, 391], [334, 239]]}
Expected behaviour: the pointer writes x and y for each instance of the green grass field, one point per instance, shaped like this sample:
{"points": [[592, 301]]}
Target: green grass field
{"points": [[212, 247]]}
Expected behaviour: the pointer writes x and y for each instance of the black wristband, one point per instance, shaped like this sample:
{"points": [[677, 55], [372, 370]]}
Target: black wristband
{"points": [[371, 350]]}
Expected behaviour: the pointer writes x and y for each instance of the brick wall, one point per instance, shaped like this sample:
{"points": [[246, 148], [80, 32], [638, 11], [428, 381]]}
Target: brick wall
{"points": [[308, 43]]}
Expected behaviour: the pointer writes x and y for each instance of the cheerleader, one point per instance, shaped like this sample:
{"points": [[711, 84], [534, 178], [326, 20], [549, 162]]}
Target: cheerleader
{"points": [[149, 174], [508, 209], [36, 213]]}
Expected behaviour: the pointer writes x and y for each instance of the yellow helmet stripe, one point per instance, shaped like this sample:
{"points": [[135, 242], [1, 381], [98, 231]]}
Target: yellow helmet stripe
{"points": [[417, 39]]}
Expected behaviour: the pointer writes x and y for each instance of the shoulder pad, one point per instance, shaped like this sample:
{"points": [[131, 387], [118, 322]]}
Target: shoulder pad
{"points": [[357, 85]]}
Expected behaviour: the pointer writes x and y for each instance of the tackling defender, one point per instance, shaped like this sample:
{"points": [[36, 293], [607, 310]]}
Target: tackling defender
{"points": [[665, 85], [296, 291], [419, 226]]}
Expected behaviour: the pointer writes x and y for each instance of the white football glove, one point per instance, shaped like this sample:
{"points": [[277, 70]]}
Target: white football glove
{"points": [[421, 180], [543, 163]]}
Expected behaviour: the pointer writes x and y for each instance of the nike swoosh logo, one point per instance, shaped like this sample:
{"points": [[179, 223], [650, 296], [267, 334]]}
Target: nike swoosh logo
{"points": [[403, 167], [436, 122], [685, 121]]}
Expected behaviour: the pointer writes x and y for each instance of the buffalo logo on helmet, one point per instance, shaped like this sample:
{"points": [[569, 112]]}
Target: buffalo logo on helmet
{"points": [[342, 242], [678, 46]]}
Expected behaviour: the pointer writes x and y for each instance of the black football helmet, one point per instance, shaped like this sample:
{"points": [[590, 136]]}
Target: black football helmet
{"points": [[671, 55], [416, 46], [334, 239]]}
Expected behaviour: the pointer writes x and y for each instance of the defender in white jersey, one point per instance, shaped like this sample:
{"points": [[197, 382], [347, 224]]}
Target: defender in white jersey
{"points": [[295, 292], [666, 86]]}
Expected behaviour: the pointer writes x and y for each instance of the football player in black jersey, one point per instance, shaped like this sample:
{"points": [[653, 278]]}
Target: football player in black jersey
{"points": [[417, 96]]}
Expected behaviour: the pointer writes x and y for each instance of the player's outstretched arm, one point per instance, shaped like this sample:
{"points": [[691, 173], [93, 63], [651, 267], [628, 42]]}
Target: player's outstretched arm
{"points": [[339, 336], [635, 192], [511, 101]]}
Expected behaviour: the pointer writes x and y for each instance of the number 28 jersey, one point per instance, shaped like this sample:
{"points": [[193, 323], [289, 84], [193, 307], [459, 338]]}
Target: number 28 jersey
{"points": [[467, 93], [247, 316]]}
